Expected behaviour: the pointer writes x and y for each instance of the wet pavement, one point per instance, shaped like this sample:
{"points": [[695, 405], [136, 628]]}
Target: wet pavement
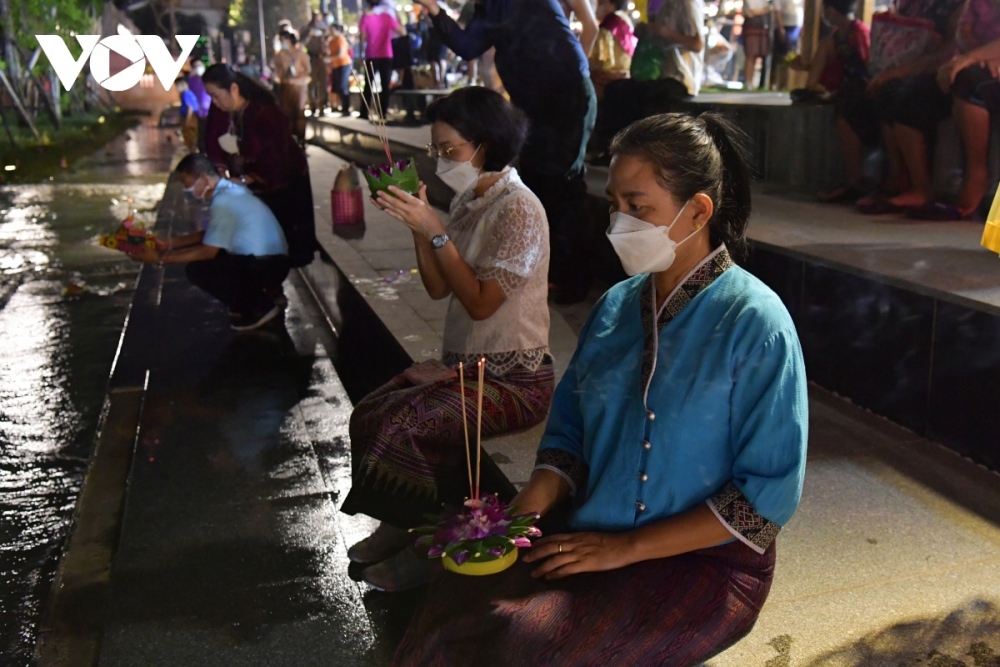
{"points": [[62, 304]]}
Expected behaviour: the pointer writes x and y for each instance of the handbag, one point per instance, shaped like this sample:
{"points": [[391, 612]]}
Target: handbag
{"points": [[898, 40]]}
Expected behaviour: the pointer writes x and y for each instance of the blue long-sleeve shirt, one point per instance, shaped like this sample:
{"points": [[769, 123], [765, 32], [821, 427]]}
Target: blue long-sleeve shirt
{"points": [[705, 402], [538, 57]]}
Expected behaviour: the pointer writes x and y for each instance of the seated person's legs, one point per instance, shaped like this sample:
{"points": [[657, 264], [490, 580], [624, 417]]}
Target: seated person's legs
{"points": [[921, 107], [976, 97]]}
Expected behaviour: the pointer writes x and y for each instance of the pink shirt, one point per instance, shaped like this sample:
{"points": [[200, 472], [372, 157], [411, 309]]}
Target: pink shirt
{"points": [[379, 29]]}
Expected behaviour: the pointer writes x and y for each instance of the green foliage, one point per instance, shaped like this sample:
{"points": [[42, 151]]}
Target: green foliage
{"points": [[53, 17]]}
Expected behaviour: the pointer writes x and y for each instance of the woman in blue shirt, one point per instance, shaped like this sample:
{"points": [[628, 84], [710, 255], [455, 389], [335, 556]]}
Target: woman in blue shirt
{"points": [[679, 432]]}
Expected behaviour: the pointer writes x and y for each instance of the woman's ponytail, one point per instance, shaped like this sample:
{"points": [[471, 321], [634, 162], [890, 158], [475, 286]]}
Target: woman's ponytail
{"points": [[730, 221]]}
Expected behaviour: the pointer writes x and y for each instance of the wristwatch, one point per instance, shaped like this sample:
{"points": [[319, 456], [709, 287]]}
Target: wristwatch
{"points": [[440, 241]]}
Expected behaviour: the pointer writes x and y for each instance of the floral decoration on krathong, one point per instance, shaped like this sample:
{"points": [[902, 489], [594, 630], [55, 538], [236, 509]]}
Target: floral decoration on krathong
{"points": [[483, 536], [400, 173], [478, 531]]}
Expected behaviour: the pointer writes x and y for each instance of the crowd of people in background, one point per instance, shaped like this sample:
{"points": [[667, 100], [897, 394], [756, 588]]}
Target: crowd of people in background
{"points": [[582, 73]]}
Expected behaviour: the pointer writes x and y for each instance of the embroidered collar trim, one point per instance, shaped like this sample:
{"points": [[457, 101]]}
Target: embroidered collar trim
{"points": [[703, 275]]}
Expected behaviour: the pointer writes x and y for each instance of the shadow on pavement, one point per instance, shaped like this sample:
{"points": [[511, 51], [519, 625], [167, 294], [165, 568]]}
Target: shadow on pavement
{"points": [[967, 637]]}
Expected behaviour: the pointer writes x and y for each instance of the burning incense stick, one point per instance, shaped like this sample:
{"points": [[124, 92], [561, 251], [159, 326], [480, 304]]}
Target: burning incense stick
{"points": [[479, 425], [465, 424]]}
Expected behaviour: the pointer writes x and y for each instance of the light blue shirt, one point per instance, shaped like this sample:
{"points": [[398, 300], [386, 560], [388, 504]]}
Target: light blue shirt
{"points": [[241, 224], [727, 397]]}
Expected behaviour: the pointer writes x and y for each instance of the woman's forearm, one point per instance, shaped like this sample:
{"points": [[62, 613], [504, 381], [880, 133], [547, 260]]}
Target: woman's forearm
{"points": [[543, 491], [430, 269], [481, 299], [698, 528]]}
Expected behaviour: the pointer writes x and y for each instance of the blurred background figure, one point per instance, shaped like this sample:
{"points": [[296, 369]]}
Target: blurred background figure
{"points": [[340, 70], [196, 86], [291, 70], [719, 53], [611, 57], [315, 38], [377, 29], [757, 24], [189, 119]]}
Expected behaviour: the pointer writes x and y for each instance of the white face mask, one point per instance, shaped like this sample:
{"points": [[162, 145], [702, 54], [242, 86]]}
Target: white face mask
{"points": [[190, 192], [199, 69], [459, 176], [642, 246]]}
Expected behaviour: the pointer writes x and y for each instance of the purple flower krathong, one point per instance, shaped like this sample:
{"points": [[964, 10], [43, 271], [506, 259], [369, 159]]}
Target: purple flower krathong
{"points": [[482, 530]]}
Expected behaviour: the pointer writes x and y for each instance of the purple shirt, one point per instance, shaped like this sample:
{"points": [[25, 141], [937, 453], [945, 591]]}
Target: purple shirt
{"points": [[196, 86]]}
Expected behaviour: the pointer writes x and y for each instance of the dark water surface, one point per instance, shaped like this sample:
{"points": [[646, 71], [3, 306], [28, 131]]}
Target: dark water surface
{"points": [[56, 351]]}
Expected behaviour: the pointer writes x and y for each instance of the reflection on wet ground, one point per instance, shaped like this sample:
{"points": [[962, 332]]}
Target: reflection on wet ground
{"points": [[62, 304]]}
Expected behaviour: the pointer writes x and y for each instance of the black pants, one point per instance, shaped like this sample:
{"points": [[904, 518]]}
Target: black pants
{"points": [[383, 68], [244, 283], [340, 83], [552, 166], [293, 207], [627, 101]]}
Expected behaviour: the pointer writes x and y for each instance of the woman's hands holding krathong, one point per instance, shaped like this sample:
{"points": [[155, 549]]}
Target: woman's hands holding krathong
{"points": [[564, 555], [414, 212]]}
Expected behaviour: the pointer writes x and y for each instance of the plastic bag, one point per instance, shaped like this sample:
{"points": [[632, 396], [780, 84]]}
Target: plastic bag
{"points": [[648, 59]]}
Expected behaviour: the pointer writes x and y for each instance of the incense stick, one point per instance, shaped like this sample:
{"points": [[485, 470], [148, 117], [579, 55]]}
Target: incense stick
{"points": [[380, 123], [375, 113], [465, 424], [479, 426]]}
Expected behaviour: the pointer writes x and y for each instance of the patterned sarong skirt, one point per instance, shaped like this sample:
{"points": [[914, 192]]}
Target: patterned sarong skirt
{"points": [[671, 612], [408, 443]]}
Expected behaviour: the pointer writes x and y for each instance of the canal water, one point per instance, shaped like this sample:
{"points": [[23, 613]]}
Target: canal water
{"points": [[63, 301]]}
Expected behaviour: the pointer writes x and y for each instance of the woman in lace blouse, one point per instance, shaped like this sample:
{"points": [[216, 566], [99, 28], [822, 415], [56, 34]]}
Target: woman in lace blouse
{"points": [[491, 260]]}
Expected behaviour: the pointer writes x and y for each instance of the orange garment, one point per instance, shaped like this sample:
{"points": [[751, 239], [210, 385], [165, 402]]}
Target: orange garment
{"points": [[340, 53]]}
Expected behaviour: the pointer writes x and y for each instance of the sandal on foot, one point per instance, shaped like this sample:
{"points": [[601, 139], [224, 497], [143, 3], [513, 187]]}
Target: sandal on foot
{"points": [[938, 211], [384, 543], [404, 571]]}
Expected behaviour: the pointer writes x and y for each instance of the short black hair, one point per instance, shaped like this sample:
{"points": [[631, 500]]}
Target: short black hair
{"points": [[196, 164], [290, 35], [620, 5], [484, 118]]}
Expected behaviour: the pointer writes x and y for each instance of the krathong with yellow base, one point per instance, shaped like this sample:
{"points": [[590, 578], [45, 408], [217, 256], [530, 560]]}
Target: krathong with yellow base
{"points": [[483, 536]]}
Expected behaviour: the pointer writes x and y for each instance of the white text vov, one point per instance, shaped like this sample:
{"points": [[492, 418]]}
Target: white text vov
{"points": [[137, 49]]}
